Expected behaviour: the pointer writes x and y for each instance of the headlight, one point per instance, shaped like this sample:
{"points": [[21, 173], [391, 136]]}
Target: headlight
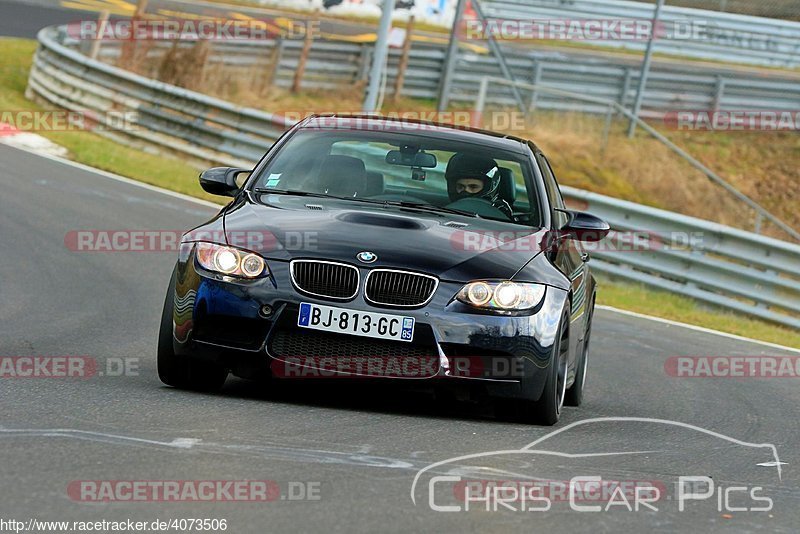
{"points": [[507, 296], [230, 261]]}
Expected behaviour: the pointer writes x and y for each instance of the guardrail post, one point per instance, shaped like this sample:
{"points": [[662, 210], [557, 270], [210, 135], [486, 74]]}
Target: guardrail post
{"points": [[450, 59], [719, 91], [537, 78], [401, 68], [102, 22], [141, 7], [274, 64], [606, 129], [505, 68], [364, 63], [648, 58], [203, 50], [626, 87], [480, 103], [127, 57], [301, 63], [373, 97]]}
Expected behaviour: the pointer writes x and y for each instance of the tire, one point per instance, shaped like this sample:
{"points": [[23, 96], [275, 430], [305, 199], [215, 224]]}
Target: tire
{"points": [[547, 410], [181, 372], [575, 394]]}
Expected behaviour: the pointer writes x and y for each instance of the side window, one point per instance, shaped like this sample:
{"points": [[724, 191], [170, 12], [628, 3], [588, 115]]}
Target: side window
{"points": [[553, 193]]}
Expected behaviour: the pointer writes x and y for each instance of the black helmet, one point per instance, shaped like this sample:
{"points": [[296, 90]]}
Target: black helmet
{"points": [[477, 167]]}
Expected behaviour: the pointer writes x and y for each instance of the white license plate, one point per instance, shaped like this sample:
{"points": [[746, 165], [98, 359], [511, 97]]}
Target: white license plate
{"points": [[355, 322]]}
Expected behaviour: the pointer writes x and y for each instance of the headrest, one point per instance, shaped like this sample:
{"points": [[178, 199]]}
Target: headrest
{"points": [[508, 186], [374, 184], [343, 176]]}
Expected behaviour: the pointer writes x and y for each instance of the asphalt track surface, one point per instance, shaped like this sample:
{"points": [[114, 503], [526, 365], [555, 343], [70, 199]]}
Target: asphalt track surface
{"points": [[360, 446]]}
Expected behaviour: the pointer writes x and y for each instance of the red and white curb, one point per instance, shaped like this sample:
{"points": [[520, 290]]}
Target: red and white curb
{"points": [[10, 135]]}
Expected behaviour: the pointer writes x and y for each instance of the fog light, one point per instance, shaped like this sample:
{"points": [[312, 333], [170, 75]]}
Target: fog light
{"points": [[265, 311]]}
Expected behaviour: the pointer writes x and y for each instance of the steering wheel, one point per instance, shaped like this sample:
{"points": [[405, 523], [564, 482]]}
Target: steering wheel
{"points": [[478, 206]]}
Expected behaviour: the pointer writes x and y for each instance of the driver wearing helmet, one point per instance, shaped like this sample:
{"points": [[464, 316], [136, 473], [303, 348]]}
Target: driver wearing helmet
{"points": [[474, 176]]}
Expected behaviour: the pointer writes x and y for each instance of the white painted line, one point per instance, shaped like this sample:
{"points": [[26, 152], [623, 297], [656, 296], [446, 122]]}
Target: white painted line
{"points": [[697, 328], [188, 198], [119, 178], [528, 449], [11, 136]]}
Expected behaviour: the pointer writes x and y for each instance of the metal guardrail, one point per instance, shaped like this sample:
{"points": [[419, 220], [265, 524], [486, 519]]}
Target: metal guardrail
{"points": [[723, 266], [168, 118], [670, 87], [710, 262], [718, 36], [612, 108]]}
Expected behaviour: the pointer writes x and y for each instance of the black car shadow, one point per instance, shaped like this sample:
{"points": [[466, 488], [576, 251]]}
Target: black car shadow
{"points": [[376, 396]]}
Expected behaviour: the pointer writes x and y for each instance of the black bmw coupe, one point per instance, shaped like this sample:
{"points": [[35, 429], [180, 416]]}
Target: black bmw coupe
{"points": [[372, 248]]}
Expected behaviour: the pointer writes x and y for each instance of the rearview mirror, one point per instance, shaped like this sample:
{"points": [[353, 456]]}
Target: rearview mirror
{"points": [[410, 159], [584, 226], [221, 180]]}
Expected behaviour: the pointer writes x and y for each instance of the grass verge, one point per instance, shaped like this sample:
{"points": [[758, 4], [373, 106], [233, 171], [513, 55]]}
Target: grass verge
{"points": [[174, 174], [638, 298]]}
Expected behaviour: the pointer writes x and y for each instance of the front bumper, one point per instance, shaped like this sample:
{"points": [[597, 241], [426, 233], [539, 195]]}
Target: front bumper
{"points": [[222, 319]]}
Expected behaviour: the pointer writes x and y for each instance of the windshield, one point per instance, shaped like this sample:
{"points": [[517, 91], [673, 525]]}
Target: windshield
{"points": [[409, 170]]}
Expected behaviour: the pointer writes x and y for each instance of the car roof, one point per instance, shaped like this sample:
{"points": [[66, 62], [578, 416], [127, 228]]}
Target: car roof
{"points": [[374, 122]]}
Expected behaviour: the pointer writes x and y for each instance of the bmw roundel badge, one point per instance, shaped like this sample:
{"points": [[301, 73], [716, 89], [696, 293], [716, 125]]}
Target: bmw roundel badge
{"points": [[366, 257]]}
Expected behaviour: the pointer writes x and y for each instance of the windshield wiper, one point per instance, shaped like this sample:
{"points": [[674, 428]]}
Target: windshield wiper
{"points": [[402, 204], [414, 205], [431, 207], [265, 190]]}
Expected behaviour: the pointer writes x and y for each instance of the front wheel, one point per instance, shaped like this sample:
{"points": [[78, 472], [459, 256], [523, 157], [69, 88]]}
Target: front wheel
{"points": [[547, 410], [182, 372]]}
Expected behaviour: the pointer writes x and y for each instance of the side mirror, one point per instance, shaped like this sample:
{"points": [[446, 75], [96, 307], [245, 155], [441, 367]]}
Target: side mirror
{"points": [[221, 180], [584, 226]]}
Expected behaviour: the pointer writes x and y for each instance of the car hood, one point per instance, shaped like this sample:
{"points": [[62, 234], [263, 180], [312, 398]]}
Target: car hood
{"points": [[453, 247]]}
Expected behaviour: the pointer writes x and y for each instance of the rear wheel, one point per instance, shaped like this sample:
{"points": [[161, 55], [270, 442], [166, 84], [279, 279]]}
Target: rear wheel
{"points": [[574, 396], [182, 372]]}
